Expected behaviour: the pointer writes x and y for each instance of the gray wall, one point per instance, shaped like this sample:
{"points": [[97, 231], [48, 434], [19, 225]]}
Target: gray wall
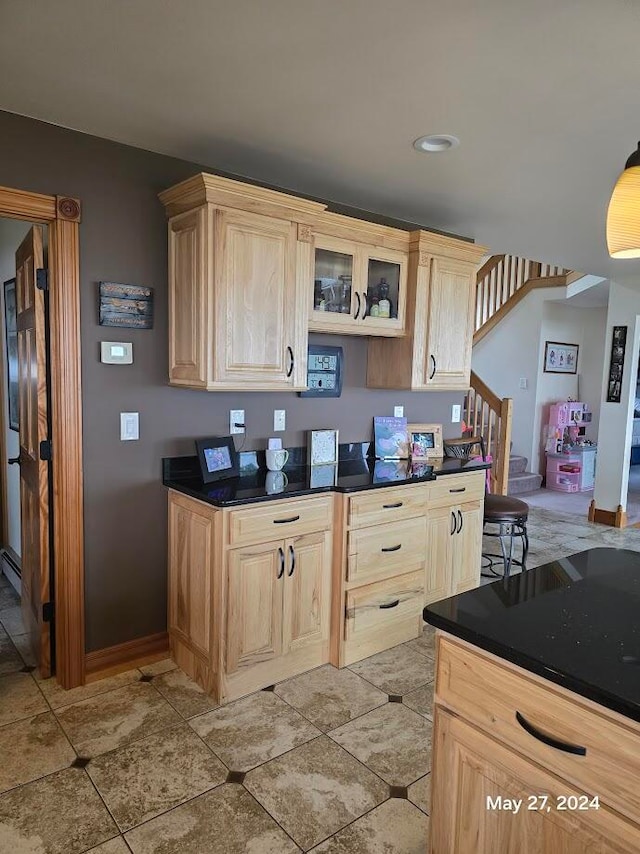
{"points": [[123, 239]]}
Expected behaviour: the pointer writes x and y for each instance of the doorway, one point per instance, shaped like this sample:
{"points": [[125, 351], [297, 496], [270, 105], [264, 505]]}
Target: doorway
{"points": [[58, 600]]}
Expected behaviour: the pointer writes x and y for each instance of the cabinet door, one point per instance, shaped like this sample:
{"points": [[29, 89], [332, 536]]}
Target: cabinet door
{"points": [[472, 773], [450, 324], [441, 526], [256, 342], [255, 578], [337, 302], [386, 272], [467, 547], [307, 590]]}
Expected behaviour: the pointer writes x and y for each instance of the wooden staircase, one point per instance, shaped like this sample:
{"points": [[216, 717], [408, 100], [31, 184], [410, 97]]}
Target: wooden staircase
{"points": [[502, 282]]}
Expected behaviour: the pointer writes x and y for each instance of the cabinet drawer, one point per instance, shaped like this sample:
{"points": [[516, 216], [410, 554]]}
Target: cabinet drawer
{"points": [[490, 695], [386, 549], [278, 520], [377, 607], [387, 505], [457, 488]]}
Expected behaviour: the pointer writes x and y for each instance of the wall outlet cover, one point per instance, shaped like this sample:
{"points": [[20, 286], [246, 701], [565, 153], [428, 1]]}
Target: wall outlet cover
{"points": [[279, 419], [129, 426], [456, 413], [236, 416], [398, 411]]}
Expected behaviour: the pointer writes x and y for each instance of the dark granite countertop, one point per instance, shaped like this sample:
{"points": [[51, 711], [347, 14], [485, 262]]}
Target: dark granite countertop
{"points": [[574, 621], [183, 475]]}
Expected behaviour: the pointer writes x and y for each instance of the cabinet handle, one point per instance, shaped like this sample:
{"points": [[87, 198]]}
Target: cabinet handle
{"points": [[355, 316], [433, 362], [281, 556], [453, 523], [392, 506], [291, 361], [392, 548], [14, 461], [459, 489], [284, 521], [549, 739], [393, 604], [460, 520], [292, 555], [364, 305]]}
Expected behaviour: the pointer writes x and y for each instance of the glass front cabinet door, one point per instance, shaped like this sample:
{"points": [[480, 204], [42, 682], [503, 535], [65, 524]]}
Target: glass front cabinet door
{"points": [[357, 289]]}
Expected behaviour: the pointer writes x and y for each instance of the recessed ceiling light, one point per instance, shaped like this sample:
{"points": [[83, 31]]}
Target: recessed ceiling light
{"points": [[436, 142]]}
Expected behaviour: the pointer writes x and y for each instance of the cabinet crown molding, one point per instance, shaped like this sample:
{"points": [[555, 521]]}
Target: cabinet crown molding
{"points": [[213, 189], [430, 243]]}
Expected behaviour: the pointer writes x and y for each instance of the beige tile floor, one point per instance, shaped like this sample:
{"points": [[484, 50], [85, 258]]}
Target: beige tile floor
{"points": [[332, 761]]}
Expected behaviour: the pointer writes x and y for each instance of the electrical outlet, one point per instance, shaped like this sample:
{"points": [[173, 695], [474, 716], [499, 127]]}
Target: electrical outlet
{"points": [[129, 427], [456, 413], [236, 416], [398, 411], [279, 419]]}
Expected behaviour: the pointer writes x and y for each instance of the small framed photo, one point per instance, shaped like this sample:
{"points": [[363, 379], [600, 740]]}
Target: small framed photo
{"points": [[560, 358], [217, 457], [425, 441], [323, 447]]}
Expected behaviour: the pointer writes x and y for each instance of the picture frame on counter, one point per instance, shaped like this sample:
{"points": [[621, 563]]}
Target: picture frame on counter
{"points": [[218, 458], [323, 447], [425, 442]]}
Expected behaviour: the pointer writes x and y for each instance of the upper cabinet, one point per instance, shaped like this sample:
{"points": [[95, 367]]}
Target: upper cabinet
{"points": [[360, 277], [436, 352], [240, 263]]}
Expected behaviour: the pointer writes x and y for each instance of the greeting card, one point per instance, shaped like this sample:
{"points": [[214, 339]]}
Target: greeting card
{"points": [[391, 440]]}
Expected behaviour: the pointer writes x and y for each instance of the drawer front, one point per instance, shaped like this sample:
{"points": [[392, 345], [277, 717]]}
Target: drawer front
{"points": [[457, 488], [375, 607], [387, 505], [386, 550], [490, 695], [279, 520]]}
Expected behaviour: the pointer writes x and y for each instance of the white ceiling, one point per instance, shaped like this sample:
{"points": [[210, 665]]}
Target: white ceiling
{"points": [[326, 98]]}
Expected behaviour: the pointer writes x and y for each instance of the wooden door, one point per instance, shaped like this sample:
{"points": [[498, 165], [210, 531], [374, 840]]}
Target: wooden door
{"points": [[255, 579], [467, 547], [450, 325], [257, 342], [34, 472], [441, 526], [307, 591], [471, 772]]}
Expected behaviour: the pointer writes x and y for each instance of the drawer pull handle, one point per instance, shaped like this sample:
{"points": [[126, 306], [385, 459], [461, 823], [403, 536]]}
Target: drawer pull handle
{"points": [[548, 739], [393, 604], [459, 489], [284, 521], [281, 570], [392, 548], [392, 506]]}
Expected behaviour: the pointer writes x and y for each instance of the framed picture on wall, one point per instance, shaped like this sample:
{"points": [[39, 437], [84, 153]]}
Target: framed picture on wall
{"points": [[616, 364], [11, 338], [560, 358]]}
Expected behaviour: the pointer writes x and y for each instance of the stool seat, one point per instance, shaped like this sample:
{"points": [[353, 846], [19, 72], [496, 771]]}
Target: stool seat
{"points": [[504, 508]]}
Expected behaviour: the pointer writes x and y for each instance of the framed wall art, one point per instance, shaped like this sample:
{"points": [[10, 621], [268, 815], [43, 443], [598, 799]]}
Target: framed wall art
{"points": [[560, 358], [11, 338], [616, 364], [128, 306], [425, 441], [323, 447]]}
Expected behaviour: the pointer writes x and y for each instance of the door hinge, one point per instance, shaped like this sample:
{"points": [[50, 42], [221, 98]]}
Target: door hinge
{"points": [[47, 612], [42, 279], [45, 450]]}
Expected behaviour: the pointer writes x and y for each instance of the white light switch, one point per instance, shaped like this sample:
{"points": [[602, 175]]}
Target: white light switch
{"points": [[455, 413], [398, 411], [116, 352], [279, 419], [523, 382], [129, 426]]}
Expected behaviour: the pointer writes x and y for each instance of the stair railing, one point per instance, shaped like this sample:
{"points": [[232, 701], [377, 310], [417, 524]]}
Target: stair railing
{"points": [[503, 281], [490, 416]]}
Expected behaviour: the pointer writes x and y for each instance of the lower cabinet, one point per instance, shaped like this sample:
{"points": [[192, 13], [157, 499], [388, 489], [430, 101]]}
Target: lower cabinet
{"points": [[454, 549]]}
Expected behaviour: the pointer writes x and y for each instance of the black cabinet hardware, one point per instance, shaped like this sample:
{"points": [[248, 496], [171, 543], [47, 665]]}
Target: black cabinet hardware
{"points": [[459, 489], [292, 555], [393, 604], [549, 739], [355, 316], [392, 506], [364, 305], [281, 557], [453, 523], [433, 362], [460, 520], [291, 361], [284, 521], [392, 548], [14, 461]]}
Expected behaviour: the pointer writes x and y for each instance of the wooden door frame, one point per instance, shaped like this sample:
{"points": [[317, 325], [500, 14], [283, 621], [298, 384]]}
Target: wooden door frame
{"points": [[62, 216]]}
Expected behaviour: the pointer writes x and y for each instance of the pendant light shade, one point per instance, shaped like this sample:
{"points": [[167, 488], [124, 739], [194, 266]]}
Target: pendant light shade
{"points": [[623, 216]]}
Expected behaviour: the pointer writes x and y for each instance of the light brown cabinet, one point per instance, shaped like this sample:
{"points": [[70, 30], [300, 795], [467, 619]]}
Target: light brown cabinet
{"points": [[436, 353], [360, 277], [240, 260], [571, 802]]}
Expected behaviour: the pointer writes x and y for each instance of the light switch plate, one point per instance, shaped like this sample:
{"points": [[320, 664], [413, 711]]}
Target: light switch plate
{"points": [[279, 419], [456, 413], [116, 352], [129, 426], [523, 382], [398, 411]]}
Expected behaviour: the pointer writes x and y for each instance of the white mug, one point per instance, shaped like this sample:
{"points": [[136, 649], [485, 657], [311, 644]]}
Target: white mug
{"points": [[276, 482], [276, 459]]}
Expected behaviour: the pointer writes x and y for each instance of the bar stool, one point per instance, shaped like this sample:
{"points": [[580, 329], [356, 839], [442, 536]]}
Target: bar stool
{"points": [[508, 513]]}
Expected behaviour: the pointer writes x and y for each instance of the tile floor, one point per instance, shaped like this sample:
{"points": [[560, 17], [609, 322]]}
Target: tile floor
{"points": [[332, 761]]}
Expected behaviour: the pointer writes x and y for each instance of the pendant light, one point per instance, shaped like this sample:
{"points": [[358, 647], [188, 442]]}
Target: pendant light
{"points": [[623, 216]]}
